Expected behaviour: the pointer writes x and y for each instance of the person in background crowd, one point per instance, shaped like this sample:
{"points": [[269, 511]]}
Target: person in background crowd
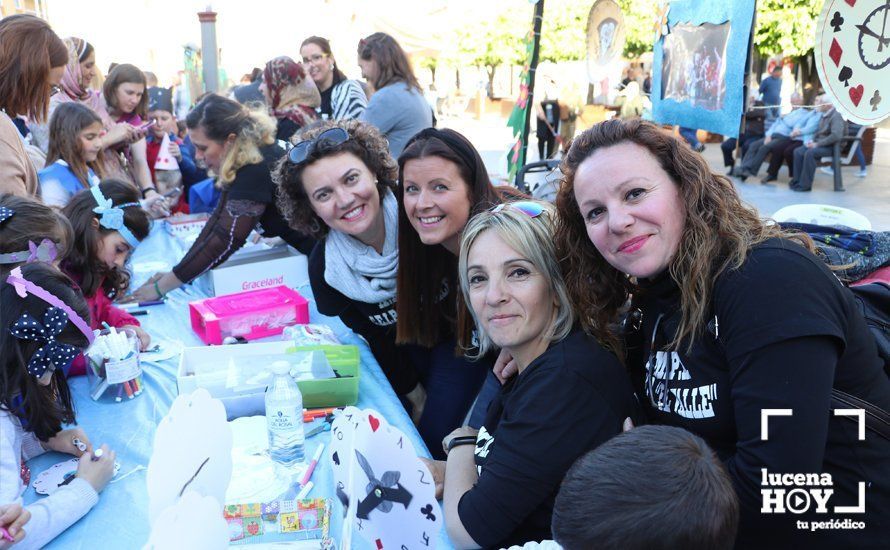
{"points": [[160, 110], [341, 98], [831, 129], [771, 93], [796, 124], [571, 394], [290, 95], [236, 144], [125, 102], [442, 183], [754, 117], [73, 161], [729, 316], [32, 62], [688, 501], [250, 92], [691, 137], [397, 108]]}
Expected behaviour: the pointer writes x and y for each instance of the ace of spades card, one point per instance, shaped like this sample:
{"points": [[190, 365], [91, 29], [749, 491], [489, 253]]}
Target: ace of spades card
{"points": [[387, 492], [853, 58]]}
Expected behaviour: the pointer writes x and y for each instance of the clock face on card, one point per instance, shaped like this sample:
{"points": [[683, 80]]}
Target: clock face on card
{"points": [[853, 57], [377, 470]]}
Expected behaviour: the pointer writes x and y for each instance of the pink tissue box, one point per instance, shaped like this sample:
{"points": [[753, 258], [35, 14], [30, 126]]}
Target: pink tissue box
{"points": [[253, 314]]}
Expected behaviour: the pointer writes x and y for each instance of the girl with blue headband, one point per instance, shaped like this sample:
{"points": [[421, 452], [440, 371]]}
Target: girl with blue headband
{"points": [[108, 225]]}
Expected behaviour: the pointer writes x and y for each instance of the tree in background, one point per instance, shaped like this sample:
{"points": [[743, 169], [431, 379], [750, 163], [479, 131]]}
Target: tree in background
{"points": [[788, 27], [490, 44]]}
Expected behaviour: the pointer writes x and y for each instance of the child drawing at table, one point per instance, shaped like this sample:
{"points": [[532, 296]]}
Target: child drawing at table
{"points": [[108, 225], [72, 163], [44, 326]]}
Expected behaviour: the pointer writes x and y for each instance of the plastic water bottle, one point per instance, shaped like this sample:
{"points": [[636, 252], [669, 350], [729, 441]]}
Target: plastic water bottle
{"points": [[284, 417]]}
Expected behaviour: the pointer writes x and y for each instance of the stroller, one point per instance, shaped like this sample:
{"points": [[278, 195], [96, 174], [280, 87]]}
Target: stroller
{"points": [[539, 179]]}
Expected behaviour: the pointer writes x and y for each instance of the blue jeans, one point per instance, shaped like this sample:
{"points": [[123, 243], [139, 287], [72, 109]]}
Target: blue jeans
{"points": [[690, 137], [451, 385]]}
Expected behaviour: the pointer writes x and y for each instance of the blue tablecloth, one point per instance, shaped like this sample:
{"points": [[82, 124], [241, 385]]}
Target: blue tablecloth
{"points": [[120, 520]]}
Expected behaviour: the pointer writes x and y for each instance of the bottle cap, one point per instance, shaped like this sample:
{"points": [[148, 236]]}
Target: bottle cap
{"points": [[281, 367]]}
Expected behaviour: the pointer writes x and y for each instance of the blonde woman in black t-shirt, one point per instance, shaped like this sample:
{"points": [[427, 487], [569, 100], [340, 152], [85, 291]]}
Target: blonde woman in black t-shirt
{"points": [[570, 395]]}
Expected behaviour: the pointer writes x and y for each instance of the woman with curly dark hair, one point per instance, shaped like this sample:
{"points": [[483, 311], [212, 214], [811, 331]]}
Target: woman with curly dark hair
{"points": [[336, 185], [730, 316]]}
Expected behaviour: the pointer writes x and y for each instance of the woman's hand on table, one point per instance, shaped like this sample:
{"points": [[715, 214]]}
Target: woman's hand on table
{"points": [[13, 518], [97, 472], [417, 398], [504, 367], [63, 442], [144, 337], [166, 281], [437, 470]]}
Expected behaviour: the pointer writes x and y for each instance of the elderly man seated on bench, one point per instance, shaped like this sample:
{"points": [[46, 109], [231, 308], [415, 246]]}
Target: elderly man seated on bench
{"points": [[832, 128]]}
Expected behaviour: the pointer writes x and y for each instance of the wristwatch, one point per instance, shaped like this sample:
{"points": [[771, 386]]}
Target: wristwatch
{"points": [[458, 441]]}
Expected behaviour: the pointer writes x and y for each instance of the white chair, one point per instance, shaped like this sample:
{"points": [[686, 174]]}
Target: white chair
{"points": [[822, 214]]}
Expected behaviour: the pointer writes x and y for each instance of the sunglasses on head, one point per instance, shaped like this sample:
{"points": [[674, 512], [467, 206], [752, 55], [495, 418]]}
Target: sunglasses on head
{"points": [[331, 137], [529, 208]]}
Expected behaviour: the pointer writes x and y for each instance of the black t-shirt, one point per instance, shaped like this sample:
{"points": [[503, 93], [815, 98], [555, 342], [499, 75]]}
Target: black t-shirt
{"points": [[254, 183], [376, 323], [782, 331], [286, 129], [569, 400], [326, 109]]}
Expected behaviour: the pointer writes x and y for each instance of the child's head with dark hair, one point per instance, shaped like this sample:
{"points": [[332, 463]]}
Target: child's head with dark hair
{"points": [[653, 487], [100, 251], [32, 381], [75, 133], [26, 222]]}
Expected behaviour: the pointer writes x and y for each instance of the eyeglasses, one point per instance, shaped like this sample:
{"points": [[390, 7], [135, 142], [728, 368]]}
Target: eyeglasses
{"points": [[331, 137], [529, 208], [314, 58]]}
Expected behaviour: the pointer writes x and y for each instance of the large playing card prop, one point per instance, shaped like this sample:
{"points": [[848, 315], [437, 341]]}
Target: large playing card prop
{"points": [[192, 451], [853, 57], [387, 493]]}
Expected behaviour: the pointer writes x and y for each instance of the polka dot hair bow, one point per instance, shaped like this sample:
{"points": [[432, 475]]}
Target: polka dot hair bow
{"points": [[5, 213], [52, 355]]}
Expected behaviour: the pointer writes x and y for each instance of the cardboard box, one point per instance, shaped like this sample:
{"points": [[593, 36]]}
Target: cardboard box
{"points": [[333, 392], [259, 267]]}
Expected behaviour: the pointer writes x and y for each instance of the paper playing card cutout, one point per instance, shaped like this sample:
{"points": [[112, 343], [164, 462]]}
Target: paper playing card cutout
{"points": [[192, 522], [192, 450], [387, 494], [853, 58], [165, 160], [58, 475]]}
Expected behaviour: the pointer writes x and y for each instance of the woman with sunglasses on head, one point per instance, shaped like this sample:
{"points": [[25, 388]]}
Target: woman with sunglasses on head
{"points": [[341, 98], [336, 185], [730, 316], [442, 183], [571, 393], [32, 61], [236, 144]]}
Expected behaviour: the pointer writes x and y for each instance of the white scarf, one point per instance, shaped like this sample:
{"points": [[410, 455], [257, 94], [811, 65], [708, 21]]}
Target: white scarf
{"points": [[356, 270]]}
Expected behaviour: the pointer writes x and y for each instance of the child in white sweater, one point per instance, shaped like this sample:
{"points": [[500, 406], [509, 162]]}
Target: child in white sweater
{"points": [[44, 326]]}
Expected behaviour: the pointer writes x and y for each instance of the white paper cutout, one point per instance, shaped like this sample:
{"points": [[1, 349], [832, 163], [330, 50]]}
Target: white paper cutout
{"points": [[852, 54], [194, 522], [165, 160], [192, 450], [53, 478], [255, 477], [389, 492]]}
